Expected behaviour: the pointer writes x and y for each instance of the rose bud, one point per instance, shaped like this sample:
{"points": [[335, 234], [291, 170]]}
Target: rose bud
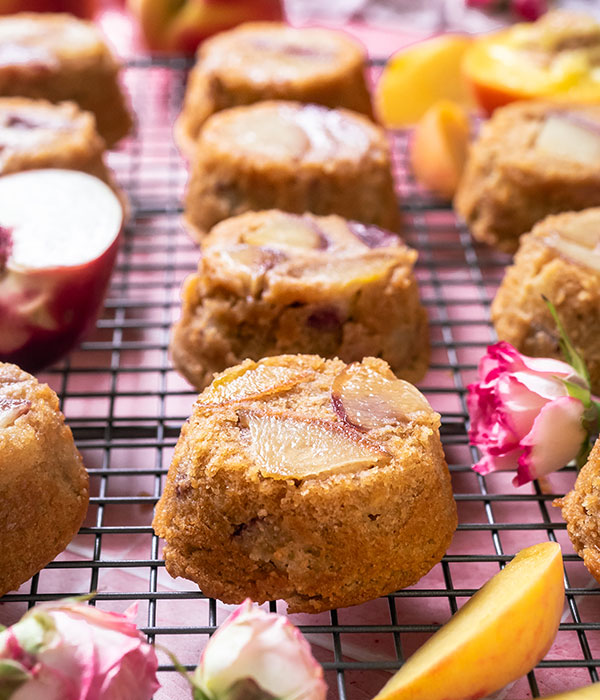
{"points": [[529, 10], [68, 650], [257, 655], [528, 414]]}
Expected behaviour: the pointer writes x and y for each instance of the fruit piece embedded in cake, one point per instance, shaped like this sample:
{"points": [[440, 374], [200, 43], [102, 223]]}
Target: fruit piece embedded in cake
{"points": [[58, 57], [59, 237], [310, 480], [559, 259], [581, 510], [43, 483], [266, 60], [271, 282], [531, 159], [36, 134], [294, 157]]}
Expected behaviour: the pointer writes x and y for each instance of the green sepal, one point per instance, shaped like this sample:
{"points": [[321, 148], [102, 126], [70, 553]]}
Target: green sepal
{"points": [[589, 420], [584, 453], [566, 346], [246, 689], [198, 694], [583, 394], [12, 676]]}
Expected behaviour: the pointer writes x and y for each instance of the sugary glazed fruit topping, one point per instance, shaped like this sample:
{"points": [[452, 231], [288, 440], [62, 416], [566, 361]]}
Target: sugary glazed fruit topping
{"points": [[289, 447], [367, 400], [11, 409]]}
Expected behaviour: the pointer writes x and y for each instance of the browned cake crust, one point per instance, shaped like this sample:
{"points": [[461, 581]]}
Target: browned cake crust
{"points": [[581, 510], [294, 157], [278, 487], [59, 58], [43, 483], [510, 182], [558, 259], [37, 134], [271, 61], [270, 283]]}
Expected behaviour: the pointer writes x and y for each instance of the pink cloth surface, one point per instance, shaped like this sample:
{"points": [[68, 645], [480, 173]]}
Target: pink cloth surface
{"points": [[139, 395]]}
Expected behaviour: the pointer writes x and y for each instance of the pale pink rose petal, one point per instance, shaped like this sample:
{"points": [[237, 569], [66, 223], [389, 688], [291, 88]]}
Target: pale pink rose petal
{"points": [[265, 647], [488, 425], [495, 463], [503, 357], [86, 654], [519, 404], [554, 440]]}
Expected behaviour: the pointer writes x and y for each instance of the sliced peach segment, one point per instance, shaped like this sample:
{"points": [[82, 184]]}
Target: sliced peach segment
{"points": [[345, 272], [555, 58], [279, 139], [574, 251], [286, 231], [288, 447], [366, 399], [584, 229], [570, 136], [11, 409], [254, 259], [251, 382], [417, 77], [498, 636], [438, 149]]}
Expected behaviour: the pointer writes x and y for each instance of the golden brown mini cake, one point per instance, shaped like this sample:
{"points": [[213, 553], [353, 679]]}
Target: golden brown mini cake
{"points": [[310, 480], [270, 283], [531, 159], [37, 134], [294, 157], [43, 483], [581, 509], [58, 57], [560, 259], [270, 61]]}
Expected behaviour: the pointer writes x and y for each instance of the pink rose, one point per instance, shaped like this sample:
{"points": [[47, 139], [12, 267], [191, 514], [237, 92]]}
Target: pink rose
{"points": [[69, 650], [522, 416], [258, 655]]}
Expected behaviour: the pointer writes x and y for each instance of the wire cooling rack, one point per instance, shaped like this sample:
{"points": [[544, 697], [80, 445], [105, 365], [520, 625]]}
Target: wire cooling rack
{"points": [[126, 406]]}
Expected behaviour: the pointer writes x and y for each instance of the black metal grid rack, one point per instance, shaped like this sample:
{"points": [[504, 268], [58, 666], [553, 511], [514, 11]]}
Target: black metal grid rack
{"points": [[126, 406]]}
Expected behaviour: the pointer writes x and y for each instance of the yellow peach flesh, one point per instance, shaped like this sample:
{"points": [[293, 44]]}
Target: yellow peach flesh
{"points": [[439, 148], [417, 77], [498, 636]]}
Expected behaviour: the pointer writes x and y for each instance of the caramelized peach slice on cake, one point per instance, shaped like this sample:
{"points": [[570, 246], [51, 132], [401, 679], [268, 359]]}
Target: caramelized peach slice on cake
{"points": [[11, 409], [373, 236], [289, 447], [251, 381], [344, 273], [579, 239], [287, 231], [572, 136], [366, 399], [279, 139]]}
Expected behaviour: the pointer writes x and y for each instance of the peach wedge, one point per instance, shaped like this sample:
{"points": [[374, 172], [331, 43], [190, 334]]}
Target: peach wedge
{"points": [[417, 77], [496, 637], [438, 150]]}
